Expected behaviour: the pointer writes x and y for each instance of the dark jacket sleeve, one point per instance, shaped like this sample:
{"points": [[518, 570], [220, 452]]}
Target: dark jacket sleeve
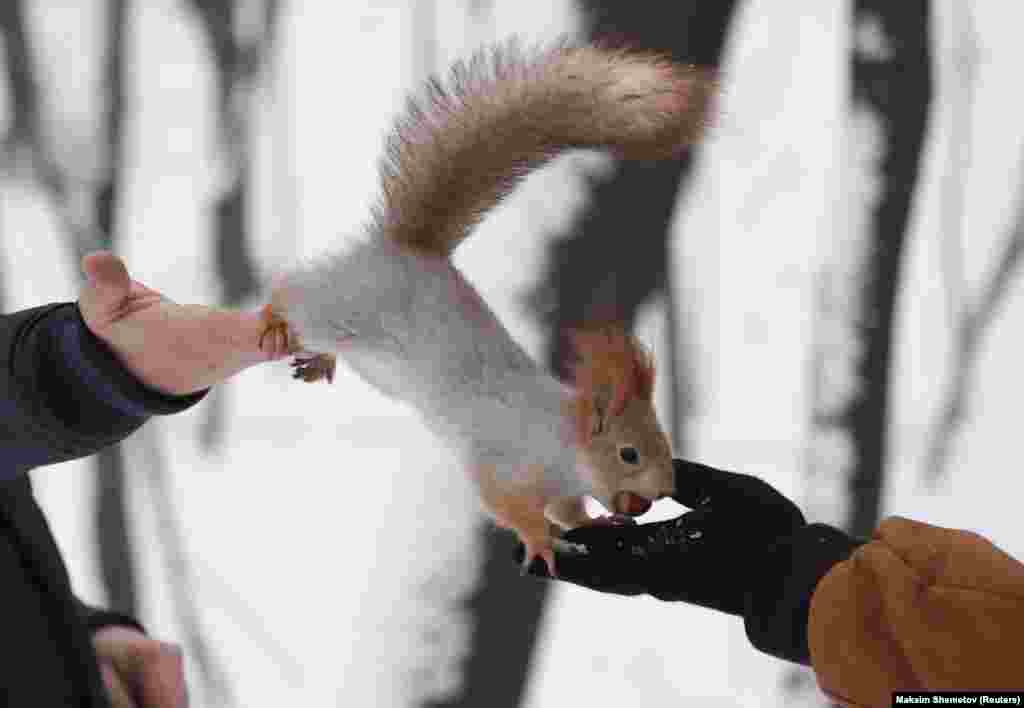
{"points": [[775, 615], [64, 396], [63, 393], [94, 618]]}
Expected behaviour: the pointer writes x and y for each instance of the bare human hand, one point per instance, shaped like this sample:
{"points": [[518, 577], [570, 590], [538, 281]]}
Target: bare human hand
{"points": [[140, 672], [175, 349]]}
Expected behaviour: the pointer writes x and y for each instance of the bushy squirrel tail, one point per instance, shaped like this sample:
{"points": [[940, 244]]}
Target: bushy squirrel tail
{"points": [[506, 111]]}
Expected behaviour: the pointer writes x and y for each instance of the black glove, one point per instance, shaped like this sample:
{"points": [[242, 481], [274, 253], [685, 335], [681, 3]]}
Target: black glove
{"points": [[745, 549]]}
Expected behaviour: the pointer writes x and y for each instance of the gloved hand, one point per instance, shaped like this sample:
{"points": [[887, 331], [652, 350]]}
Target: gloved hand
{"points": [[745, 549]]}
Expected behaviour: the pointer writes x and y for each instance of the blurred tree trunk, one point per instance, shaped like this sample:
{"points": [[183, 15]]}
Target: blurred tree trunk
{"points": [[91, 223], [895, 84], [86, 230], [239, 57], [27, 151], [890, 102], [117, 562], [20, 138], [239, 46], [239, 52], [24, 90], [594, 272], [858, 286], [181, 576], [238, 63]]}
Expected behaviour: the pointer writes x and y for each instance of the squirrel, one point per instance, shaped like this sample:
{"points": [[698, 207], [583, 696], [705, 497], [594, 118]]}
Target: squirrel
{"points": [[402, 316]]}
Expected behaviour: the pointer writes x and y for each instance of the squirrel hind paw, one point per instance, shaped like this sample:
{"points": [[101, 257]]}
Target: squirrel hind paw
{"points": [[314, 368], [276, 339]]}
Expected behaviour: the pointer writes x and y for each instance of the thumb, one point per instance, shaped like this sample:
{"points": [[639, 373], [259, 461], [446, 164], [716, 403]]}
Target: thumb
{"points": [[154, 670], [117, 691], [108, 280]]}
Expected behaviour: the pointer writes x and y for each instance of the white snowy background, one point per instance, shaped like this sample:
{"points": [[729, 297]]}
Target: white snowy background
{"points": [[339, 540]]}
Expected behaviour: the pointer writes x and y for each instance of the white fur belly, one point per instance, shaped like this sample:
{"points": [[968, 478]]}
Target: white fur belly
{"points": [[413, 327], [417, 331]]}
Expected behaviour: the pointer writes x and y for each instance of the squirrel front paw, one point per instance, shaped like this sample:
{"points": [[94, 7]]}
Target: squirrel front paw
{"points": [[278, 339]]}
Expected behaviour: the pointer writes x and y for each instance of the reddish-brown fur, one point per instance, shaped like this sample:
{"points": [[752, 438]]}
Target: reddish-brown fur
{"points": [[451, 159], [610, 361], [507, 111]]}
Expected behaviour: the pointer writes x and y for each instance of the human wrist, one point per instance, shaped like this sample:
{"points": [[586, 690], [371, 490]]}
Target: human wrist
{"points": [[94, 363], [778, 602], [96, 618]]}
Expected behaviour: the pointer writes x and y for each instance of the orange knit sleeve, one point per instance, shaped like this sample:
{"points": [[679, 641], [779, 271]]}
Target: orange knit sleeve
{"points": [[920, 607]]}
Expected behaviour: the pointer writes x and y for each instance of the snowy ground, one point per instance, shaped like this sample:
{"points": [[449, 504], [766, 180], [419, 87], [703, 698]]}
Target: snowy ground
{"points": [[282, 517]]}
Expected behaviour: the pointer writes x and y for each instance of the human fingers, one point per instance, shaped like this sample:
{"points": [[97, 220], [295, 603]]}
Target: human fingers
{"points": [[117, 690], [160, 680], [106, 288], [152, 670], [701, 486]]}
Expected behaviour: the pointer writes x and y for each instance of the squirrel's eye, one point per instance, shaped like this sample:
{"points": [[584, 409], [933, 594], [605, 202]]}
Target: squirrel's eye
{"points": [[629, 455]]}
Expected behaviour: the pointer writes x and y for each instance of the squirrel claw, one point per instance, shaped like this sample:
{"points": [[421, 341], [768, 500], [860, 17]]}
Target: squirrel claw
{"points": [[314, 368], [548, 554], [282, 342], [275, 331]]}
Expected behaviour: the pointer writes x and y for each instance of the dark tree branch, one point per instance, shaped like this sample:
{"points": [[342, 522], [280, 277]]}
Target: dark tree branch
{"points": [[113, 533], [970, 334], [114, 538], [110, 189], [217, 18], [21, 78], [24, 145], [966, 321]]}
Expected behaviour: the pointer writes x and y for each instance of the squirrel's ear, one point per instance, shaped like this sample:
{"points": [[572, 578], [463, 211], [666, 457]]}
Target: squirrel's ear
{"points": [[582, 415], [593, 408], [610, 368]]}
